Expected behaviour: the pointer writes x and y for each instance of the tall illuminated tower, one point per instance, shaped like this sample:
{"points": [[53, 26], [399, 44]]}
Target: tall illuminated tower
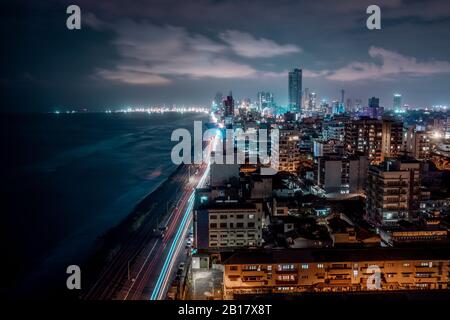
{"points": [[397, 102], [295, 91]]}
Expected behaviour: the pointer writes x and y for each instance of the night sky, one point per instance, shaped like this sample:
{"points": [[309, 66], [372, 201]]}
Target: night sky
{"points": [[139, 52]]}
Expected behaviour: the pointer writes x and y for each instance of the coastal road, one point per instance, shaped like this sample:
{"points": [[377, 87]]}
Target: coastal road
{"points": [[154, 258]]}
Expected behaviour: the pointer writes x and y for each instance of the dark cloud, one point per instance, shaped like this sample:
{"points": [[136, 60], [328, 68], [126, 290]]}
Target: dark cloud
{"points": [[167, 51]]}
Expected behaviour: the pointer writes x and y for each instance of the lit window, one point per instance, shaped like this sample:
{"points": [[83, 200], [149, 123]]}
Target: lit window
{"points": [[305, 266], [320, 265], [284, 267]]}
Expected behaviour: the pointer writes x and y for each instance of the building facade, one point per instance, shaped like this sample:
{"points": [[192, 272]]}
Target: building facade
{"points": [[393, 191], [341, 176], [295, 91], [228, 225], [287, 156], [375, 138], [327, 270], [417, 143]]}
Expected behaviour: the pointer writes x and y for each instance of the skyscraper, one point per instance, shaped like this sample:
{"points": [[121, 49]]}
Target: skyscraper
{"points": [[265, 100], [229, 105], [305, 100], [295, 91], [217, 102], [397, 102], [374, 102], [313, 101]]}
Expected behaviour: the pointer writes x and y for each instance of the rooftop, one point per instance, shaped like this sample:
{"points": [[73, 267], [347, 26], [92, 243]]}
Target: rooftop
{"points": [[263, 256]]}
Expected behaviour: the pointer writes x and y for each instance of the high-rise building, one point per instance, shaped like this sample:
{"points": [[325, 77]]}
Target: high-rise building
{"points": [[349, 105], [288, 157], [375, 138], [333, 131], [374, 102], [417, 143], [313, 101], [393, 191], [265, 100], [341, 177], [229, 105], [217, 102], [392, 138], [295, 91], [397, 102], [373, 110], [305, 100], [358, 105], [325, 107], [337, 107]]}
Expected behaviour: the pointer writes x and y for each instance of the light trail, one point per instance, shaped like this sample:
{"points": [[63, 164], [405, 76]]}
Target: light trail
{"points": [[166, 270], [181, 231], [169, 257], [172, 263], [140, 270]]}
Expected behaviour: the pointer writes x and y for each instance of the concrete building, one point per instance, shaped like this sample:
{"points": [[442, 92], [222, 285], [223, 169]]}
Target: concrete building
{"points": [[414, 234], [378, 139], [259, 272], [397, 103], [417, 143], [288, 154], [392, 138], [393, 191], [295, 91], [341, 176], [335, 131], [228, 224], [322, 148]]}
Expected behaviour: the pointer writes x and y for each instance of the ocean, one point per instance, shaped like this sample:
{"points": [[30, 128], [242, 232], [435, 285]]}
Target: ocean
{"points": [[68, 178]]}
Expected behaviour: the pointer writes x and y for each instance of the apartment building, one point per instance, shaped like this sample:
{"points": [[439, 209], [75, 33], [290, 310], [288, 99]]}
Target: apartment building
{"points": [[393, 191], [415, 234], [334, 131], [378, 139], [341, 176], [288, 153], [228, 224], [417, 143], [392, 138], [301, 270]]}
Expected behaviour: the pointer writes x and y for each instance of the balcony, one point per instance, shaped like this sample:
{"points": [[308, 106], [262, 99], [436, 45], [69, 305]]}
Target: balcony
{"points": [[294, 271], [340, 281], [253, 279]]}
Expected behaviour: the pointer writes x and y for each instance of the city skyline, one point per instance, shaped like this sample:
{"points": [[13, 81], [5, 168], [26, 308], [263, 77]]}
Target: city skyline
{"points": [[148, 54], [254, 151]]}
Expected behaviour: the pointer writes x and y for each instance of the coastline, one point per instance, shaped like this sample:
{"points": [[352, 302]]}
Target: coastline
{"points": [[145, 215]]}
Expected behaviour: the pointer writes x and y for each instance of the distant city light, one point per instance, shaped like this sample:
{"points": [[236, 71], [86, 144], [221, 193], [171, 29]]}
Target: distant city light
{"points": [[437, 135]]}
